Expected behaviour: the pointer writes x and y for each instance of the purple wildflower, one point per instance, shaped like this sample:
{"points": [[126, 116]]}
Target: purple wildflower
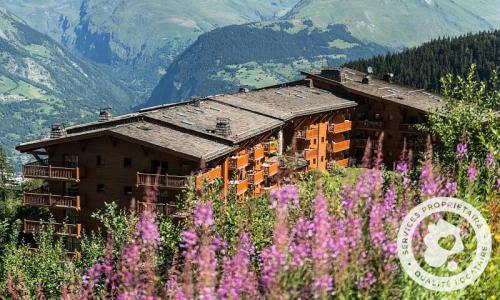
{"points": [[472, 173], [203, 215], [490, 161], [461, 150]]}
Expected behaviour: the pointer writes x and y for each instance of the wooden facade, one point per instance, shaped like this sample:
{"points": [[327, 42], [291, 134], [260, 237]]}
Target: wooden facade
{"points": [[241, 139]]}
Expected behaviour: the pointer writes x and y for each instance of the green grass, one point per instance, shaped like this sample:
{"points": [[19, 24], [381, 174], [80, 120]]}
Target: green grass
{"points": [[6, 85]]}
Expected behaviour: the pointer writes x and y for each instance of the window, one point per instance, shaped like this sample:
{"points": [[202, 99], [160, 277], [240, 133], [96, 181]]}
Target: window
{"points": [[100, 188], [322, 139], [99, 160], [159, 166], [322, 159], [314, 161], [127, 190], [127, 162], [314, 141]]}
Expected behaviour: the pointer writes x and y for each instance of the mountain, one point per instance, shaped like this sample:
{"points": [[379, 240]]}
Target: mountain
{"points": [[270, 52], [423, 66], [256, 55], [137, 40], [41, 82], [401, 23]]}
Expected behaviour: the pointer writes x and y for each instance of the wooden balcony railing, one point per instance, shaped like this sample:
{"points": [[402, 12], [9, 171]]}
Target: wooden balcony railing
{"points": [[271, 147], [373, 125], [49, 200], [255, 177], [340, 127], [257, 153], [166, 209], [340, 146], [209, 176], [307, 134], [271, 168], [51, 172], [309, 154], [238, 162], [165, 181], [341, 162], [241, 186], [73, 230]]}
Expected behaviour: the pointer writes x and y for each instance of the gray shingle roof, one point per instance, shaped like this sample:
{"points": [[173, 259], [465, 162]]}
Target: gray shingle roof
{"points": [[188, 128], [403, 95]]}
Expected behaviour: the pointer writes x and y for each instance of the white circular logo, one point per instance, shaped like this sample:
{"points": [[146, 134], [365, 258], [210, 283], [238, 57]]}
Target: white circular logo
{"points": [[438, 257]]}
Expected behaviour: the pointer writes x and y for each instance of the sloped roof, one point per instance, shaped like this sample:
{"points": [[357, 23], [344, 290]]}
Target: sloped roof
{"points": [[188, 128], [383, 90], [287, 102]]}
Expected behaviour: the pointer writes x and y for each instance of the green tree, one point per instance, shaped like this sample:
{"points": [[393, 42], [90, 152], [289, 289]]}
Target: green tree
{"points": [[468, 115]]}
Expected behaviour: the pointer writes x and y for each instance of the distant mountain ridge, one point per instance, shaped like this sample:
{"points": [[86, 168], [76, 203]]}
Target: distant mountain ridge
{"points": [[256, 55], [425, 65], [137, 40], [41, 82], [397, 23]]}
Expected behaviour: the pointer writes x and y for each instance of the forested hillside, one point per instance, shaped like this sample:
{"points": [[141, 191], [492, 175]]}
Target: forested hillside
{"points": [[256, 55], [41, 82], [423, 66]]}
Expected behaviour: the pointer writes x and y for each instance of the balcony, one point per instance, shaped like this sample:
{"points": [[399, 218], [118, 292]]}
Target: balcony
{"points": [[209, 176], [271, 168], [238, 162], [309, 154], [271, 147], [166, 209], [164, 181], [342, 162], [49, 200], [72, 230], [51, 172], [340, 146], [241, 186], [369, 125], [307, 134], [257, 153], [256, 177], [340, 127]]}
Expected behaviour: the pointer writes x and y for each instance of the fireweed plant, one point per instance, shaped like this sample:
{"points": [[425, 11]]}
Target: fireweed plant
{"points": [[324, 237]]}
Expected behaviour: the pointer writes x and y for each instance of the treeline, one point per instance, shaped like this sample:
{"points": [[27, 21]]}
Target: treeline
{"points": [[423, 66], [190, 74]]}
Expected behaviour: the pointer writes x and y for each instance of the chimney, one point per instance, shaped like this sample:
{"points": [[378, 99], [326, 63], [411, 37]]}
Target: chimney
{"points": [[309, 82], [57, 130], [334, 74], [388, 77], [105, 114], [223, 127], [366, 79]]}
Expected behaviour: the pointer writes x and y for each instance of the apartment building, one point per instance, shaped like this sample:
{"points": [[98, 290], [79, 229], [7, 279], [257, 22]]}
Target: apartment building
{"points": [[383, 106], [244, 139]]}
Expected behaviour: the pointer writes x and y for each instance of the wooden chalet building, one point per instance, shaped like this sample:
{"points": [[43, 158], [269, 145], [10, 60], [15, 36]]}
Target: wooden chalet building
{"points": [[383, 106], [241, 138]]}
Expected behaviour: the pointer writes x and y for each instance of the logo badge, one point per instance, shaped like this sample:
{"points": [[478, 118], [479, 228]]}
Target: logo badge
{"points": [[446, 265]]}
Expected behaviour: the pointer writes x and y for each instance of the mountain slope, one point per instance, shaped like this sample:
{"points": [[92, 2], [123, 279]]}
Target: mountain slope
{"points": [[137, 40], [400, 23], [423, 66], [41, 82], [256, 55]]}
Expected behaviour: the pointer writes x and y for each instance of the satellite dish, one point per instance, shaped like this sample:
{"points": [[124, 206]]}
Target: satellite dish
{"points": [[370, 70]]}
